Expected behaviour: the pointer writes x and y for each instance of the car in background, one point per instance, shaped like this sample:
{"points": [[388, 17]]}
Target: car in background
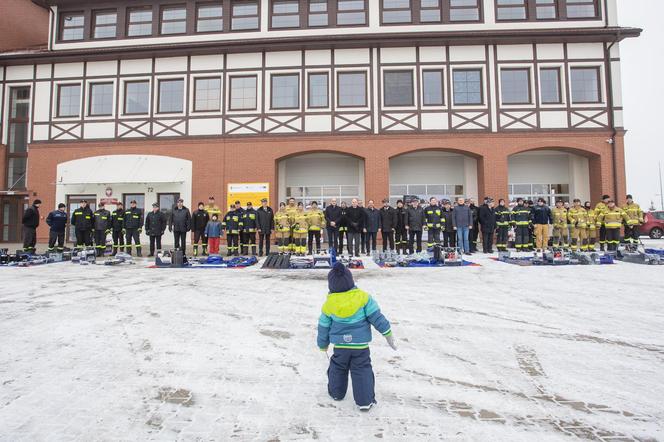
{"points": [[653, 225]]}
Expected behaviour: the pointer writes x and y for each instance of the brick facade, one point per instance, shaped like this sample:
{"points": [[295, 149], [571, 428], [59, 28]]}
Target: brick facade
{"points": [[23, 24]]}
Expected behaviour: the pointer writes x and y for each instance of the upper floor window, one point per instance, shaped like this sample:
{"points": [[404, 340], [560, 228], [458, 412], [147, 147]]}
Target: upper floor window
{"points": [[581, 8], [171, 96], [243, 92], [285, 13], [207, 94], [351, 12], [69, 100], [318, 13], [101, 99], [511, 9], [173, 20], [464, 10], [430, 11], [432, 87], [396, 11], [139, 21], [546, 9], [209, 18], [467, 84], [398, 88], [585, 85], [515, 86], [318, 89], [245, 15], [352, 89], [73, 24], [285, 91], [137, 97], [550, 85], [105, 24]]}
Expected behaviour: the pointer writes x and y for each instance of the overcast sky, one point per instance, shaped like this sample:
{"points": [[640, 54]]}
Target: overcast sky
{"points": [[643, 94]]}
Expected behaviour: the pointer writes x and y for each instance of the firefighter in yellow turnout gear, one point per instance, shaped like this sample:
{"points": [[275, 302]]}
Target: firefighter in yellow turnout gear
{"points": [[300, 230], [600, 209], [316, 223], [591, 230], [291, 210], [578, 219], [634, 220], [612, 219], [282, 227], [559, 215]]}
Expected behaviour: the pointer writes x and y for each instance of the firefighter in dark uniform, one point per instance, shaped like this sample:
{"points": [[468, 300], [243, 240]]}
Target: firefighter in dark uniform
{"points": [[117, 227], [231, 225], [265, 227], [102, 228], [249, 225], [475, 231], [531, 227], [400, 232], [522, 219], [343, 228], [83, 221], [133, 228], [503, 219], [435, 221], [57, 220], [449, 235], [199, 220], [30, 223]]}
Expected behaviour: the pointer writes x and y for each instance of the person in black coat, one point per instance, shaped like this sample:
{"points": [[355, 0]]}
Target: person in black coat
{"points": [[155, 226], [30, 224], [332, 218], [83, 221], [474, 232], [57, 221], [180, 223], [415, 224], [487, 220], [388, 222], [199, 220], [372, 226], [265, 226], [343, 228], [356, 219], [449, 235], [400, 232]]}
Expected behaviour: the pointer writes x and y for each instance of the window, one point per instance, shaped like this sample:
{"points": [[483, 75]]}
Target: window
{"points": [[351, 12], [511, 10], [398, 88], [467, 86], [243, 93], [546, 9], [105, 24], [139, 22], [581, 8], [285, 91], [173, 20], [101, 99], [396, 11], [352, 89], [207, 94], [585, 85], [209, 18], [432, 87], [72, 26], [318, 13], [515, 86], [171, 94], [127, 198], [464, 10], [430, 11], [69, 100], [285, 13], [318, 90], [17, 141], [245, 15], [550, 85], [137, 97]]}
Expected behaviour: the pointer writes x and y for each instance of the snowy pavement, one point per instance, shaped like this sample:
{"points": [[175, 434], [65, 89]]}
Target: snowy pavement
{"points": [[491, 353]]}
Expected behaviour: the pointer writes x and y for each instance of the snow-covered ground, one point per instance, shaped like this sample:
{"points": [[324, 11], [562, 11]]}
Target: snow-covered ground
{"points": [[496, 353]]}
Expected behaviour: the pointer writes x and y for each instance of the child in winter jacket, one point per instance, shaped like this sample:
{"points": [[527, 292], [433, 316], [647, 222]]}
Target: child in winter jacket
{"points": [[345, 322], [213, 233]]}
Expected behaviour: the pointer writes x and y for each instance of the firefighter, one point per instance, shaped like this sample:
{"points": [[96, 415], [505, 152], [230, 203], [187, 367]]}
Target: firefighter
{"points": [[265, 227], [475, 231], [414, 225], [567, 239], [102, 224], [282, 225], [249, 223], [199, 220], [133, 228], [155, 226], [541, 219], [578, 219], [57, 220], [635, 215], [434, 222], [600, 208], [231, 225], [343, 228], [30, 223], [522, 220], [503, 218], [83, 221], [212, 209], [559, 215], [612, 219], [591, 225], [487, 215], [300, 230], [291, 210], [400, 232], [117, 227], [388, 221], [449, 236], [532, 238], [315, 223]]}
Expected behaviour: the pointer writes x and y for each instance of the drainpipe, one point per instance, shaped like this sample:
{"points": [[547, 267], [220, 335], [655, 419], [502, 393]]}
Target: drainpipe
{"points": [[610, 103]]}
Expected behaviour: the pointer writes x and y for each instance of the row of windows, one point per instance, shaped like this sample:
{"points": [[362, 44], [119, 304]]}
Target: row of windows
{"points": [[243, 15], [398, 90]]}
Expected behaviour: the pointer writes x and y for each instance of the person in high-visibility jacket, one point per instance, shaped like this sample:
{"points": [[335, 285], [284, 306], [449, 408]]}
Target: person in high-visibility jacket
{"points": [[291, 210], [102, 224], [231, 225], [503, 220], [300, 229], [600, 208], [522, 219], [316, 223], [133, 224], [612, 220], [212, 209], [635, 219], [591, 226], [282, 228], [249, 227], [578, 219], [559, 215], [83, 221]]}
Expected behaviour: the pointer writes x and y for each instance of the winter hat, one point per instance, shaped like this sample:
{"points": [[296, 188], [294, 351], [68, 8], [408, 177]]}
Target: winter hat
{"points": [[339, 279], [36, 202], [61, 205]]}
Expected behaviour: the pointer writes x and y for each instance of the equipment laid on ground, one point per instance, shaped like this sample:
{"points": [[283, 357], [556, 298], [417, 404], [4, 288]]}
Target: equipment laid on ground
{"points": [[638, 257], [555, 257], [659, 252], [119, 258], [321, 260], [23, 259], [439, 256], [85, 256], [171, 258]]}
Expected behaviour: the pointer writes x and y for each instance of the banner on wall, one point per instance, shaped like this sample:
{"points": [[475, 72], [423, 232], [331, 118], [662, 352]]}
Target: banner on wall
{"points": [[245, 192]]}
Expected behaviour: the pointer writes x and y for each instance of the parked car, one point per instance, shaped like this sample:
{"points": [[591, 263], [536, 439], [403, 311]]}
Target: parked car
{"points": [[654, 224]]}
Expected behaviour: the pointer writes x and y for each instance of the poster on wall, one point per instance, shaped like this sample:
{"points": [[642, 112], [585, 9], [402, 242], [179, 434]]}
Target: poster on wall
{"points": [[245, 192]]}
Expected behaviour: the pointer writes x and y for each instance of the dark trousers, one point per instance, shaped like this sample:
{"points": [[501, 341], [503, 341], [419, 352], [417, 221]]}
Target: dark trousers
{"points": [[180, 240], [155, 240], [501, 242], [602, 237], [401, 240], [612, 239], [83, 238], [358, 362], [415, 241], [100, 242], [118, 241], [487, 240], [133, 235], [388, 240], [370, 238], [522, 239], [449, 238], [233, 244], [433, 237], [363, 242], [354, 240], [247, 240], [632, 234], [314, 235], [263, 238], [474, 234], [199, 237], [29, 239], [56, 236], [342, 234], [333, 238]]}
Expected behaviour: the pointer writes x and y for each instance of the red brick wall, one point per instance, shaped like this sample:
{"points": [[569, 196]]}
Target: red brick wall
{"points": [[217, 162], [22, 24]]}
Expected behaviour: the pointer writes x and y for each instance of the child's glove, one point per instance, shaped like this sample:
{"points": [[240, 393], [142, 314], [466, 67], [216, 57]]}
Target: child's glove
{"points": [[390, 341]]}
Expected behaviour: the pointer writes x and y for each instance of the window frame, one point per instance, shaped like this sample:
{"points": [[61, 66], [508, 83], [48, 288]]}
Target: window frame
{"points": [[298, 89], [9, 155], [412, 9], [124, 97], [230, 93], [59, 98], [299, 14], [596, 4], [90, 95], [526, 5], [128, 21], [329, 13], [61, 26], [530, 92], [338, 89], [184, 92], [598, 71], [560, 85], [196, 79], [173, 7], [198, 19], [94, 26], [412, 88], [232, 16], [327, 90], [449, 8], [482, 85], [338, 11], [442, 86], [559, 6]]}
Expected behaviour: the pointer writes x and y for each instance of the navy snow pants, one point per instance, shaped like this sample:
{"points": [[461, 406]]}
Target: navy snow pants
{"points": [[358, 362]]}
